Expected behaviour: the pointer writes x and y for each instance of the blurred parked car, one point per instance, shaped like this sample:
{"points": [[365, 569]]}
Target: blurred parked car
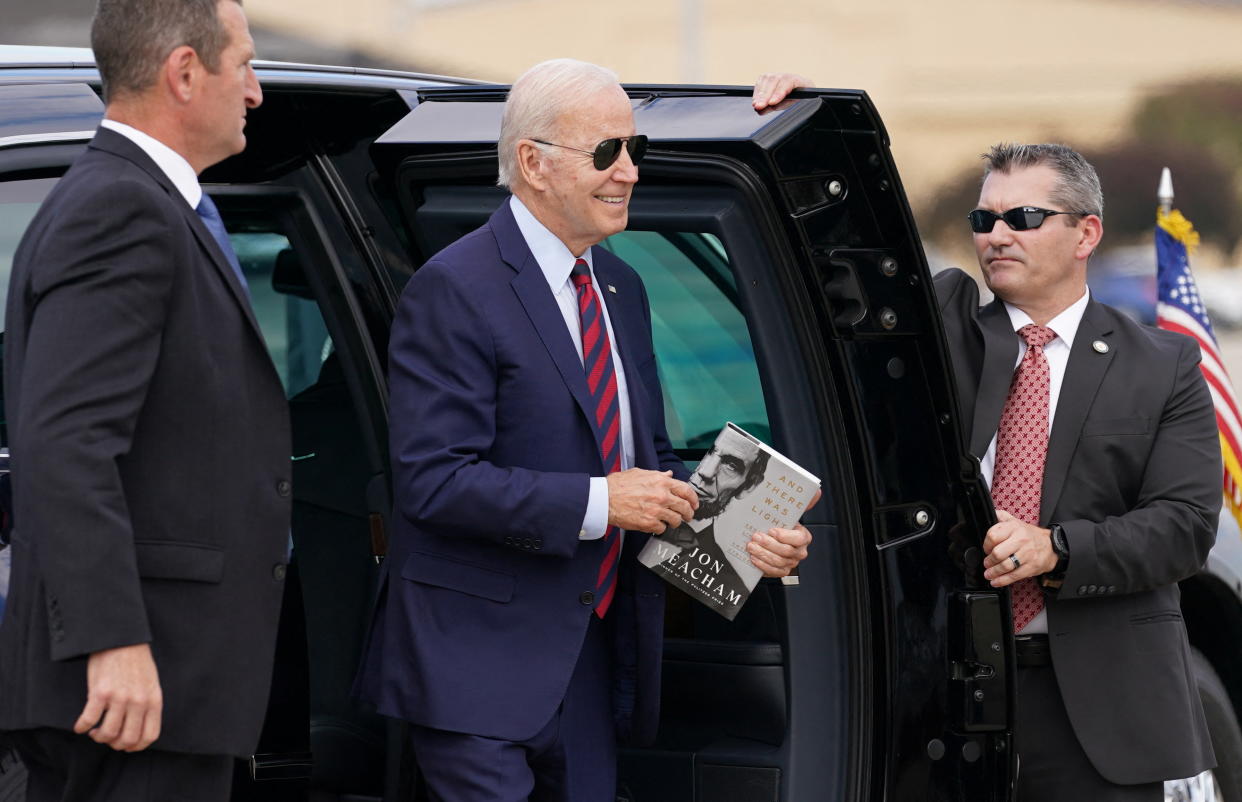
{"points": [[1125, 278]]}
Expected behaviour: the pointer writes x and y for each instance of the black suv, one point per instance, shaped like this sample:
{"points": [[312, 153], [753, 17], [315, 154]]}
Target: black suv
{"points": [[778, 251]]}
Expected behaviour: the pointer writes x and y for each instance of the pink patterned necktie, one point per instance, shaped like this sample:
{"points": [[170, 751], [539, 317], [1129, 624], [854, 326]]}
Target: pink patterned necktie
{"points": [[602, 384], [1021, 449]]}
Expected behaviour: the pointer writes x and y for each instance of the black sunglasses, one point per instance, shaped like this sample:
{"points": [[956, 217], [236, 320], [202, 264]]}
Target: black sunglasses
{"points": [[608, 151], [1019, 218]]}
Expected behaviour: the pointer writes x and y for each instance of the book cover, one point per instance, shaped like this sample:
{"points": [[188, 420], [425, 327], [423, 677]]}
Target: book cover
{"points": [[744, 486]]}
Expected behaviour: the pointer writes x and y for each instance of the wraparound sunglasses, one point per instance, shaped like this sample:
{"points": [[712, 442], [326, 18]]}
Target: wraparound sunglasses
{"points": [[1019, 218]]}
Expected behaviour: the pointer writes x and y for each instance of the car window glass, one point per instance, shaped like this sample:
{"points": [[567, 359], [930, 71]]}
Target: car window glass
{"points": [[703, 347], [19, 200], [292, 324]]}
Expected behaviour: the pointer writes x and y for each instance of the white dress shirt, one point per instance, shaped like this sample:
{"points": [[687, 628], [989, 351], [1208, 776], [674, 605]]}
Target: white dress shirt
{"points": [[556, 262], [1057, 353], [172, 163]]}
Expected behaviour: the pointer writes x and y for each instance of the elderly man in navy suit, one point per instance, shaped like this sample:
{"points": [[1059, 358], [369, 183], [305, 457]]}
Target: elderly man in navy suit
{"points": [[518, 632]]}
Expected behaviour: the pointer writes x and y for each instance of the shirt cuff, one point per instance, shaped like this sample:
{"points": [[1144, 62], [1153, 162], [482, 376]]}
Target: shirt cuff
{"points": [[595, 523]]}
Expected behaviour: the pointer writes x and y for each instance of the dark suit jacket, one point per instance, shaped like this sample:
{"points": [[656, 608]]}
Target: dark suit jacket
{"points": [[492, 450], [151, 467], [1133, 475]]}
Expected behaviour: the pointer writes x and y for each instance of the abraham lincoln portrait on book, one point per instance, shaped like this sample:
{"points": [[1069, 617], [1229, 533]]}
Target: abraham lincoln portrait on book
{"points": [[728, 472]]}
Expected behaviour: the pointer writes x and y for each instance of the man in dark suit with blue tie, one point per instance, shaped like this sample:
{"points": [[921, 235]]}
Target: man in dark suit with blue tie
{"points": [[150, 438], [518, 632]]}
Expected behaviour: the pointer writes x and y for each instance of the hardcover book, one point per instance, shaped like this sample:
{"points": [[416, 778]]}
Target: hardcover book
{"points": [[744, 486]]}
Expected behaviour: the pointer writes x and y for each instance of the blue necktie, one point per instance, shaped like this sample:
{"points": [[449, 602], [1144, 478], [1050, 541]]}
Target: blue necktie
{"points": [[211, 218]]}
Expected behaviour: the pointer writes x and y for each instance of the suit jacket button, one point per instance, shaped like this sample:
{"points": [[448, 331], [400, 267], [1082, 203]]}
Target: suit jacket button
{"points": [[587, 597], [1112, 588], [1091, 588], [527, 543], [278, 572], [283, 488], [538, 543], [1082, 590]]}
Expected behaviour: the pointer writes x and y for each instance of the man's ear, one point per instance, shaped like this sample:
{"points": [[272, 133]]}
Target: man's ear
{"points": [[532, 164], [1092, 233], [179, 72]]}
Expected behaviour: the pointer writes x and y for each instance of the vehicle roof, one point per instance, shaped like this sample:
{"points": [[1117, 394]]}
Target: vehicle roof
{"points": [[44, 60], [42, 54]]}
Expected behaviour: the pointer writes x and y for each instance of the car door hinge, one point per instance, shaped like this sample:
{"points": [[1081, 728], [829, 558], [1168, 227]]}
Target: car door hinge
{"points": [[978, 672]]}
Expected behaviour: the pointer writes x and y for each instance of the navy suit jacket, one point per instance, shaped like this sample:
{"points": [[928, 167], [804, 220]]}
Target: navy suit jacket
{"points": [[479, 628]]}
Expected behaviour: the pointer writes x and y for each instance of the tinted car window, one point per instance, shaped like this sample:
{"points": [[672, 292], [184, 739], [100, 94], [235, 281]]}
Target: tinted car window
{"points": [[702, 343], [19, 200], [292, 324]]}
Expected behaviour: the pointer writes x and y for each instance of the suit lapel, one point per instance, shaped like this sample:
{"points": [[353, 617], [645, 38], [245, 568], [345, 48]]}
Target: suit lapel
{"points": [[119, 145], [1083, 375], [531, 289], [1000, 354], [209, 245]]}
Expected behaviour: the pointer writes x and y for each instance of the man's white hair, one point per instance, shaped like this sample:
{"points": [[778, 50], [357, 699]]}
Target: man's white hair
{"points": [[539, 98]]}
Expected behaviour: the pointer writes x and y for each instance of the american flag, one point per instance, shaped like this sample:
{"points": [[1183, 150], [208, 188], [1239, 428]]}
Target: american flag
{"points": [[1180, 308]]}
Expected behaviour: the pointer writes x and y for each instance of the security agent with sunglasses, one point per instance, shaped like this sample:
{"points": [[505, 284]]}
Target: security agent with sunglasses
{"points": [[517, 632], [1110, 448], [1099, 442]]}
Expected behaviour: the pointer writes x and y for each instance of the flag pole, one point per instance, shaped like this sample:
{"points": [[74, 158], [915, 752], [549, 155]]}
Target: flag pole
{"points": [[1164, 194]]}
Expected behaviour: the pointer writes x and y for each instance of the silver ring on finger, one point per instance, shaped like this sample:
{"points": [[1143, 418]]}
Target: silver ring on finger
{"points": [[1016, 562]]}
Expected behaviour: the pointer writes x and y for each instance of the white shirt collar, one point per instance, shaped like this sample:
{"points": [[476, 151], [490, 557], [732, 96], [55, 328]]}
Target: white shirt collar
{"points": [[1065, 324], [170, 161], [555, 260]]}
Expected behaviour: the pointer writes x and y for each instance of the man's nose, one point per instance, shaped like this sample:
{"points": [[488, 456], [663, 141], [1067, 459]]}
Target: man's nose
{"points": [[1001, 234], [624, 169], [254, 92]]}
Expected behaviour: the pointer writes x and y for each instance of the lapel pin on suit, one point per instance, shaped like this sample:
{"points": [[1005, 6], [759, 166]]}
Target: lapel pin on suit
{"points": [[612, 289], [1100, 347]]}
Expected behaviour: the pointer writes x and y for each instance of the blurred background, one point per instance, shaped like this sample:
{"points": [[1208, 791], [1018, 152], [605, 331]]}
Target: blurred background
{"points": [[1135, 84]]}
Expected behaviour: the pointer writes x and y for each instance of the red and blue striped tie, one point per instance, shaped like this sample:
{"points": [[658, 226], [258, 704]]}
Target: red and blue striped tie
{"points": [[602, 384]]}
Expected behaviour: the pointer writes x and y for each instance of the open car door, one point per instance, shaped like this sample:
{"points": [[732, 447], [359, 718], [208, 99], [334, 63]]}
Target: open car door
{"points": [[790, 294]]}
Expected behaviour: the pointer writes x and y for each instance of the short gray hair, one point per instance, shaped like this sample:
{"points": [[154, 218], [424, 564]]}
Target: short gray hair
{"points": [[538, 99], [131, 39], [1078, 186]]}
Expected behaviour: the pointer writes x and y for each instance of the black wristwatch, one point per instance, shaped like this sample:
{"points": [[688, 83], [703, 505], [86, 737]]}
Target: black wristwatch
{"points": [[1060, 546]]}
